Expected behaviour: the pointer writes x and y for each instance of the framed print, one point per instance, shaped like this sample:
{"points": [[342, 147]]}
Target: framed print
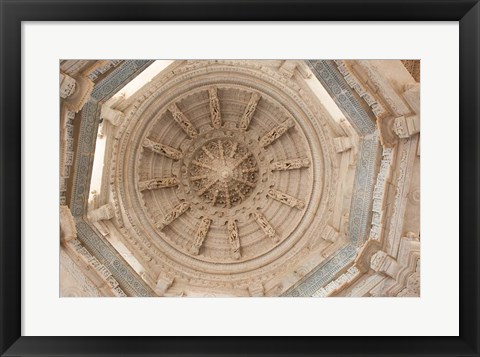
{"points": [[230, 178]]}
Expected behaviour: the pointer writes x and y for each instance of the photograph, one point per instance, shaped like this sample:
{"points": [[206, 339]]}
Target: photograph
{"points": [[239, 178]]}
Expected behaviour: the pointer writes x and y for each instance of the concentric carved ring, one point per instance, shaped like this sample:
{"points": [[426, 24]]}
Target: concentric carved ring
{"points": [[227, 219]]}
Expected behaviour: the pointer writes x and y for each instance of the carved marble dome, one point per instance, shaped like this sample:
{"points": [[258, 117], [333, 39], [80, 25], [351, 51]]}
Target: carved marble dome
{"points": [[226, 173], [242, 177]]}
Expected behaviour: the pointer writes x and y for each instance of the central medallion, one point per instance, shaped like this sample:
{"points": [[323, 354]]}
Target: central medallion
{"points": [[223, 172]]}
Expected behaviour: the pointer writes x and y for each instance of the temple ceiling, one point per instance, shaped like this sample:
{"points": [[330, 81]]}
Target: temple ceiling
{"points": [[229, 178]]}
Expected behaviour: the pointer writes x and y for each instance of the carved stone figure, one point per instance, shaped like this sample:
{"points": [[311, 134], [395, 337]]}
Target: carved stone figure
{"points": [[158, 183], [183, 121], [290, 164], [200, 235], [233, 238], [249, 111], [163, 149], [176, 212], [276, 132], [265, 225], [215, 108], [287, 199]]}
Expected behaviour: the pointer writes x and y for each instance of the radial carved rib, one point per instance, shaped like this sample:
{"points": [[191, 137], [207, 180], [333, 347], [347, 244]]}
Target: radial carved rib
{"points": [[209, 154], [183, 121], [249, 111], [207, 186], [227, 196], [215, 196], [201, 164], [158, 183], [249, 170], [276, 132], [233, 150], [163, 149], [200, 235], [242, 159], [176, 212], [286, 199], [233, 238], [221, 151], [245, 182], [290, 164], [266, 226], [199, 177], [214, 108]]}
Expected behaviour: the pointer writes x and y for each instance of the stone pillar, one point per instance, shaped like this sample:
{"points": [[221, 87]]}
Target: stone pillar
{"points": [[103, 213]]}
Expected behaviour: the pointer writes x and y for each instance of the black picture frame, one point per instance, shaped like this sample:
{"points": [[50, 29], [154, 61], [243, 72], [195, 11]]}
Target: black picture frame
{"points": [[13, 12]]}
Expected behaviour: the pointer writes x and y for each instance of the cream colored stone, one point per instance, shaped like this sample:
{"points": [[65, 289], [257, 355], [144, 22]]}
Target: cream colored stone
{"points": [[233, 178]]}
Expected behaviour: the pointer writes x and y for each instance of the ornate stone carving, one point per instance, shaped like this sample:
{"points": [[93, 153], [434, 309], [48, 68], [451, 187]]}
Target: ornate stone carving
{"points": [[379, 194], [288, 180], [67, 85], [407, 126], [156, 183], [215, 108], [176, 212], [361, 90], [163, 149], [200, 235], [183, 121], [290, 164], [77, 248], [383, 263], [249, 112], [234, 239], [266, 226], [413, 284], [341, 282], [223, 172], [286, 199], [76, 95], [276, 132], [102, 213]]}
